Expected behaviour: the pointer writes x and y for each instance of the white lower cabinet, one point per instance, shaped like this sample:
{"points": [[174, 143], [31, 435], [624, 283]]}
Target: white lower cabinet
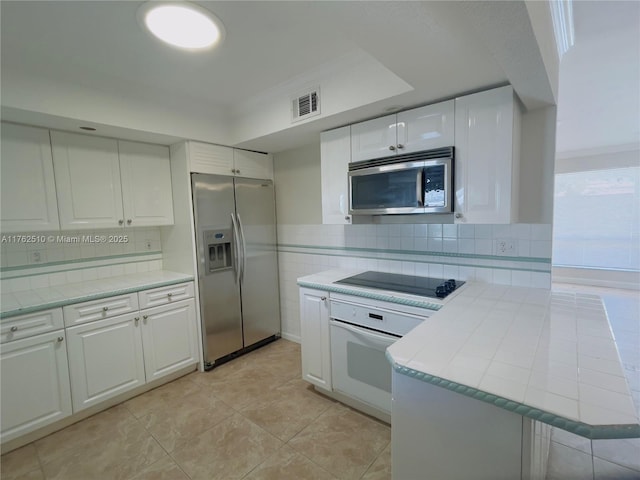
{"points": [[169, 338], [314, 336], [105, 359], [109, 357], [35, 383]]}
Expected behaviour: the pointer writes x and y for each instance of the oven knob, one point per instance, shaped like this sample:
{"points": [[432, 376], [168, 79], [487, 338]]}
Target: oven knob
{"points": [[441, 292], [452, 282]]}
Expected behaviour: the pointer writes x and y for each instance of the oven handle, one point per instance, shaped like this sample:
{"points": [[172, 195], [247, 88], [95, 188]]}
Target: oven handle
{"points": [[370, 337]]}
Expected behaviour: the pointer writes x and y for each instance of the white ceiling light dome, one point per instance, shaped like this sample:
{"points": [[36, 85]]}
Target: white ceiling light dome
{"points": [[181, 24]]}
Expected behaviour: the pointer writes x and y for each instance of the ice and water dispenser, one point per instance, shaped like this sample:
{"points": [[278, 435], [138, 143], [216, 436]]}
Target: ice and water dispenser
{"points": [[219, 250]]}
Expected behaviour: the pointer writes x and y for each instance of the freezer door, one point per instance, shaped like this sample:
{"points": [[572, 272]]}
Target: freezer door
{"points": [[218, 279], [255, 206]]}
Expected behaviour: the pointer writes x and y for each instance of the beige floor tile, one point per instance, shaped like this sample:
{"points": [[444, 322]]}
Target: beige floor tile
{"points": [[116, 458], [287, 464], [175, 425], [19, 462], [229, 450], [163, 397], [343, 441], [165, 469], [33, 475], [288, 409], [380, 469], [243, 389], [111, 423]]}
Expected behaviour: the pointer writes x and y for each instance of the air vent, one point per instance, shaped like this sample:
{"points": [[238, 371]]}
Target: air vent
{"points": [[306, 105]]}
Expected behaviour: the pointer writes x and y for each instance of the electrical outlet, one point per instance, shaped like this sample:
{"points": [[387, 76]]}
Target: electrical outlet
{"points": [[36, 257], [506, 247]]}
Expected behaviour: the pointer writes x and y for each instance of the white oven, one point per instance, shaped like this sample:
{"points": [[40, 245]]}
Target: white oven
{"points": [[360, 336]]}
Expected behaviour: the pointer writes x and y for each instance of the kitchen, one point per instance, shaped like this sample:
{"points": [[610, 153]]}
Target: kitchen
{"points": [[306, 242]]}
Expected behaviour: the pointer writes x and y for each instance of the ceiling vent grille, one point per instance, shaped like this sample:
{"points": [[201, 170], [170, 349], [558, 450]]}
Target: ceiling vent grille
{"points": [[306, 105]]}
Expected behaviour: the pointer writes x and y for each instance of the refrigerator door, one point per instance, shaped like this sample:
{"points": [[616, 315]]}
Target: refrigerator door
{"points": [[255, 206], [219, 261]]}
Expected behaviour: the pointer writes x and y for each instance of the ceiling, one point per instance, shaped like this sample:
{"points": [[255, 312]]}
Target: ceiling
{"points": [[599, 92], [70, 62]]}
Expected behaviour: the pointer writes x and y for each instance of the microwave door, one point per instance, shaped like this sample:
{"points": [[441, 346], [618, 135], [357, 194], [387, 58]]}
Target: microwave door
{"points": [[387, 189]]}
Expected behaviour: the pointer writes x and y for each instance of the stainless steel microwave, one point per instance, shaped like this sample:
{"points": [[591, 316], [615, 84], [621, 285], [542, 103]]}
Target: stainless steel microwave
{"points": [[420, 182]]}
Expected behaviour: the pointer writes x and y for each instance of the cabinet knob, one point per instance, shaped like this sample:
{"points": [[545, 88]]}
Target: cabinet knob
{"points": [[392, 148], [136, 320], [60, 339], [169, 294], [120, 222], [129, 221], [458, 215], [14, 328], [400, 145], [144, 317], [347, 218], [237, 170], [104, 309], [323, 298]]}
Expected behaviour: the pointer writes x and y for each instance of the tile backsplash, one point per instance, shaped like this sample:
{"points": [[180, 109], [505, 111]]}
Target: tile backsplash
{"points": [[517, 254], [46, 259]]}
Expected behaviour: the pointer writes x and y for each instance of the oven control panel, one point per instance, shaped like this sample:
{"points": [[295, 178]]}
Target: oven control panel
{"points": [[387, 321]]}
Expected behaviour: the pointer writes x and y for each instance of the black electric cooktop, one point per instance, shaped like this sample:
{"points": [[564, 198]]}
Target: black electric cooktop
{"points": [[423, 286]]}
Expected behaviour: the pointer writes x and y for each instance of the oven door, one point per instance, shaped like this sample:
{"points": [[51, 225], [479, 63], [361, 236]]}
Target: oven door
{"points": [[396, 188], [359, 366]]}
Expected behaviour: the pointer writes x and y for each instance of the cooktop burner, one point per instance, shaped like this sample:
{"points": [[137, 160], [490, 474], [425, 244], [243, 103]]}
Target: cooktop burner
{"points": [[423, 286]]}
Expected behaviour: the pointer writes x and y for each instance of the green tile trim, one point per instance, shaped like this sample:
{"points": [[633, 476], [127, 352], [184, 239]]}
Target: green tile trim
{"points": [[133, 258], [473, 256], [95, 296], [423, 260], [373, 296], [593, 432]]}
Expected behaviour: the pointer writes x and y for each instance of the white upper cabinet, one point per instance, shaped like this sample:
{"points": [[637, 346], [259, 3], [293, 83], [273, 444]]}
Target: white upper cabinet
{"points": [[100, 187], [87, 173], [335, 154], [373, 138], [487, 157], [146, 184], [28, 191], [413, 130], [253, 164], [219, 160], [425, 128]]}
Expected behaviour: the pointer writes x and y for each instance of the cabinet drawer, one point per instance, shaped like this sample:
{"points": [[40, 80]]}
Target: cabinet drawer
{"points": [[375, 318], [30, 324], [99, 309], [165, 295]]}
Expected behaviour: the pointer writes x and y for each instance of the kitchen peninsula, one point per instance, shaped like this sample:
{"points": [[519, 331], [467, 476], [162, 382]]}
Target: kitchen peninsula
{"points": [[488, 373]]}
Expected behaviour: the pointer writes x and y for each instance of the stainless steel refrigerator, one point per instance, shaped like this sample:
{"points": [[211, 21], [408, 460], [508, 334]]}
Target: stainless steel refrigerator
{"points": [[237, 264]]}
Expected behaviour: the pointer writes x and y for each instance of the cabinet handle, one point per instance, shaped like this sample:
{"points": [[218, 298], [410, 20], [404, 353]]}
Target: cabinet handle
{"points": [[104, 309], [14, 329], [60, 339], [136, 320], [120, 222], [392, 148], [129, 221], [400, 145], [323, 298]]}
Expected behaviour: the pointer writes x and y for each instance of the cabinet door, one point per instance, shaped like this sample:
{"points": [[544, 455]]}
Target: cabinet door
{"points": [[315, 340], [146, 184], [35, 383], [484, 157], [207, 158], [28, 191], [426, 127], [88, 181], [253, 164], [374, 138], [335, 154], [169, 338], [105, 359]]}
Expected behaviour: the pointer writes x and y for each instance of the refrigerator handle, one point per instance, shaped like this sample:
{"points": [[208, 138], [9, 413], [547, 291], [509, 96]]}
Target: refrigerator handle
{"points": [[236, 238], [244, 249]]}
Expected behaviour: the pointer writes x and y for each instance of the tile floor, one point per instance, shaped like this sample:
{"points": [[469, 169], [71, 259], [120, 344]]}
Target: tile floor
{"points": [[255, 419], [252, 418]]}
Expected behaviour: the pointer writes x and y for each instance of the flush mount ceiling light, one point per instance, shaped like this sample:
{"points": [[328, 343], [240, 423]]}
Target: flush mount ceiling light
{"points": [[181, 24]]}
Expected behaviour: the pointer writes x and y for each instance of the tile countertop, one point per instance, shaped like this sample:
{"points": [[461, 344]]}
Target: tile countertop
{"points": [[28, 301], [545, 354]]}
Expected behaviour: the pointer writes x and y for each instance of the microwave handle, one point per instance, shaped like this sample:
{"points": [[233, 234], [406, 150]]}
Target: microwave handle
{"points": [[420, 187]]}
